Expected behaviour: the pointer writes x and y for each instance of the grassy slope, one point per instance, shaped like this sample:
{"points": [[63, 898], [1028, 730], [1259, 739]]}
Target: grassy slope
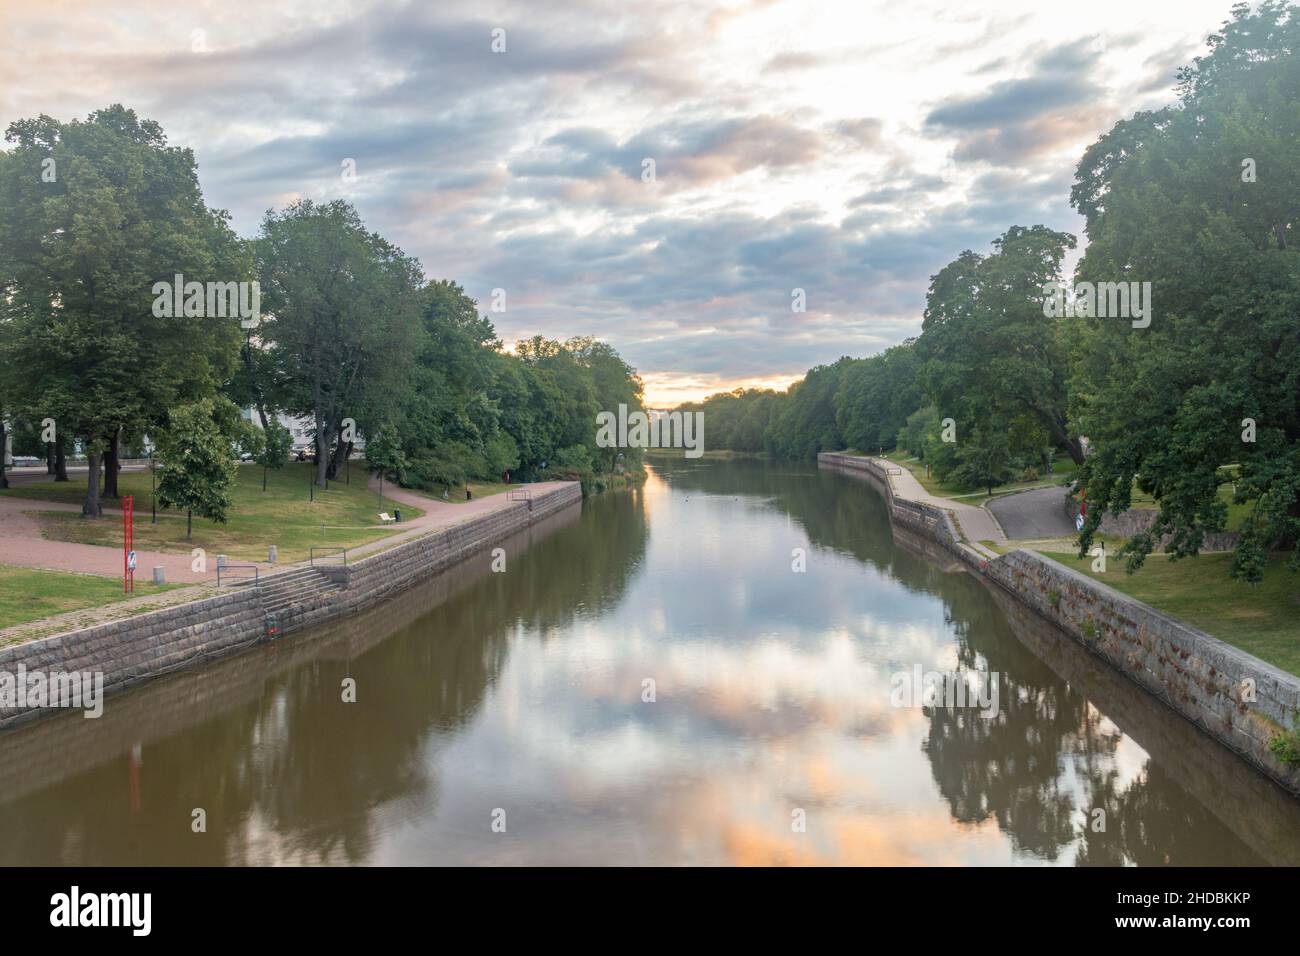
{"points": [[29, 595], [1262, 620], [282, 516]]}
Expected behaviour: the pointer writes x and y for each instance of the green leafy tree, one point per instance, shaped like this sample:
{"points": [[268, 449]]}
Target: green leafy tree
{"points": [[1200, 199], [274, 445], [344, 323], [804, 420], [914, 436], [95, 213], [991, 356], [384, 455], [195, 460], [502, 453], [875, 396]]}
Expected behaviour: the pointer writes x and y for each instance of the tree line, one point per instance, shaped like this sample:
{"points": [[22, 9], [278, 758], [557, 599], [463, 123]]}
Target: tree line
{"points": [[1200, 199], [111, 263]]}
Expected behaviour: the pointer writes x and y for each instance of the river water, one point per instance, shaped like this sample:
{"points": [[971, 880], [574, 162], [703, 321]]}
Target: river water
{"points": [[652, 680]]}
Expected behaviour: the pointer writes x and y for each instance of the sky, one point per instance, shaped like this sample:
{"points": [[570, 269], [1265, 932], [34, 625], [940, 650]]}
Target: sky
{"points": [[849, 150]]}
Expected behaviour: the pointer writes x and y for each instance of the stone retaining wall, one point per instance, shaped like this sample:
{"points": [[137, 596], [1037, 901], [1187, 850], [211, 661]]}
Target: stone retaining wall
{"points": [[927, 519], [1197, 675], [135, 649], [1136, 520], [43, 753]]}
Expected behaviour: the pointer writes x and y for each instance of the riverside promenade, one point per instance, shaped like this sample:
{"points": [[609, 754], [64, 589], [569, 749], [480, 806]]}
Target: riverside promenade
{"points": [[974, 524], [22, 545]]}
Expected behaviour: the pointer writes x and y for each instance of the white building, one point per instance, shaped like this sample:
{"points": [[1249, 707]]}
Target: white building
{"points": [[301, 430]]}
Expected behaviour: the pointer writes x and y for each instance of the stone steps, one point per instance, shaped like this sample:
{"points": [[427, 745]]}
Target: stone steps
{"points": [[300, 586]]}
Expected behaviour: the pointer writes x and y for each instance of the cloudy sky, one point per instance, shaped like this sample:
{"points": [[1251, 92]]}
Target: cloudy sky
{"points": [[849, 149]]}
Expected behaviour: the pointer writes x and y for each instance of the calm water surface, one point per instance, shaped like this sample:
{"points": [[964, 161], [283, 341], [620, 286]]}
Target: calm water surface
{"points": [[522, 692]]}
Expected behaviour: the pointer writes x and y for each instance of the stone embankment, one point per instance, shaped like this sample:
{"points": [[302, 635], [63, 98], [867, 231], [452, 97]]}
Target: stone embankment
{"points": [[136, 649], [1239, 700]]}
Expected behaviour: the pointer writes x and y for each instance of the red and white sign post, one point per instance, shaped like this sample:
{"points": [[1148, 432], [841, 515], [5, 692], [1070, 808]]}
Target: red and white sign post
{"points": [[128, 544]]}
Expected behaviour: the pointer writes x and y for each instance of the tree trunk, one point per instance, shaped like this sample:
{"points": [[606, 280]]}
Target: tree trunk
{"points": [[111, 466], [60, 462], [49, 457], [342, 451], [1075, 448], [4, 479], [263, 478], [189, 525], [322, 456], [91, 508]]}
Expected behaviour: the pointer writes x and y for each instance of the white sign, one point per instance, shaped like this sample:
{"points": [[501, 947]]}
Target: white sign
{"points": [[130, 560], [1078, 521]]}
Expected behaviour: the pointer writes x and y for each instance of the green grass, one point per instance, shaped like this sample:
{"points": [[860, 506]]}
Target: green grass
{"points": [[282, 515], [27, 594], [1261, 620]]}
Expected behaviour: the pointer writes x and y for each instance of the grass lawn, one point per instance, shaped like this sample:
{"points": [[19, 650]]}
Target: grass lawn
{"points": [[282, 515], [29, 595], [456, 494], [1261, 620]]}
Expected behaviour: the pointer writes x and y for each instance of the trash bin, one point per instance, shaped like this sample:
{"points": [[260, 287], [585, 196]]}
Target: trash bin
{"points": [[397, 515]]}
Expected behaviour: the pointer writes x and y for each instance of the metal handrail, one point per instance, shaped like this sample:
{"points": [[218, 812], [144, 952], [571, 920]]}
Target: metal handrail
{"points": [[311, 556], [519, 494], [242, 567]]}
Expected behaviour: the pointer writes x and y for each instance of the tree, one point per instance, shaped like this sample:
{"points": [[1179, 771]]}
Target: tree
{"points": [[96, 213], [804, 420], [1214, 380], [983, 459], [196, 463], [384, 455], [344, 321], [274, 444], [987, 345], [915, 434], [875, 396]]}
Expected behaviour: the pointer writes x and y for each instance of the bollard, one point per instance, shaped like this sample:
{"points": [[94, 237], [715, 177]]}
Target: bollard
{"points": [[158, 576], [271, 554]]}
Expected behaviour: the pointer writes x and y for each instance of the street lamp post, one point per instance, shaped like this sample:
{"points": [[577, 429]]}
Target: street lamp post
{"points": [[153, 489]]}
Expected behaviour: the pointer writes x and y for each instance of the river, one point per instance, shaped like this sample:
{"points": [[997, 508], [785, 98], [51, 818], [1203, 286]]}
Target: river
{"points": [[700, 671]]}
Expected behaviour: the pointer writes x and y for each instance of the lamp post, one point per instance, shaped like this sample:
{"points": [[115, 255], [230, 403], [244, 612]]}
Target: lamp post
{"points": [[153, 489]]}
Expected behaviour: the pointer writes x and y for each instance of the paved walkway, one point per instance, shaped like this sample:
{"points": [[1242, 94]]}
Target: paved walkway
{"points": [[975, 524], [1033, 515], [439, 514], [21, 543]]}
